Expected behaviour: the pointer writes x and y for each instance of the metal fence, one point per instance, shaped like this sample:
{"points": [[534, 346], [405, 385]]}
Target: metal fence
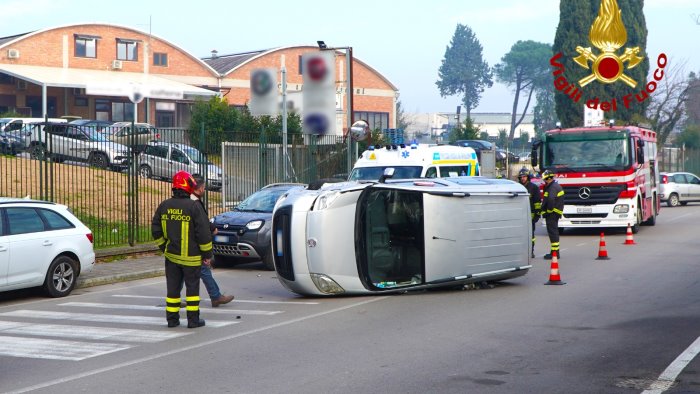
{"points": [[679, 159], [115, 188]]}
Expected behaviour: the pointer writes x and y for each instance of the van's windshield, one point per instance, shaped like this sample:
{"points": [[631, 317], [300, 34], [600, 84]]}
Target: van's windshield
{"points": [[374, 173]]}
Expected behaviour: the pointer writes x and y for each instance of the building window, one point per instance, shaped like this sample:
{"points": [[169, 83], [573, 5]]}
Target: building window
{"points": [[81, 102], [85, 46], [301, 67], [6, 79], [127, 49], [122, 112], [375, 120], [160, 59]]}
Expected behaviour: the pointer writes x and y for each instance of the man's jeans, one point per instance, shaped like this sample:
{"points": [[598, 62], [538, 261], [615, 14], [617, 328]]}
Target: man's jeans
{"points": [[210, 283]]}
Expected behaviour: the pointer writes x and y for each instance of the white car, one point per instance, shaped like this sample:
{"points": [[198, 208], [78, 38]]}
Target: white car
{"points": [[42, 244]]}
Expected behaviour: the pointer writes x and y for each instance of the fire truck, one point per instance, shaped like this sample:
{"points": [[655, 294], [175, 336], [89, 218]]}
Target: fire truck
{"points": [[609, 174]]}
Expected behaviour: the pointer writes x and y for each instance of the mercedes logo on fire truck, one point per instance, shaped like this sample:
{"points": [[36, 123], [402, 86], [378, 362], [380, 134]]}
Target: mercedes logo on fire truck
{"points": [[584, 193]]}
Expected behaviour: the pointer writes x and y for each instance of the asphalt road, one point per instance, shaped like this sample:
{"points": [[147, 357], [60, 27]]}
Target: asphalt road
{"points": [[615, 327]]}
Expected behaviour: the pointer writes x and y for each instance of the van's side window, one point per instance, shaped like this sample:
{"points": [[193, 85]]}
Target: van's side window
{"points": [[431, 172]]}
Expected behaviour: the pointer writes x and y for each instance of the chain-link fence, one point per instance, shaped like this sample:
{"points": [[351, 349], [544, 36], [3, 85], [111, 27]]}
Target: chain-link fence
{"points": [[679, 159], [114, 178]]}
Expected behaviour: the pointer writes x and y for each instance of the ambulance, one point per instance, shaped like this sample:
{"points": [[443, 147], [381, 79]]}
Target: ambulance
{"points": [[416, 161]]}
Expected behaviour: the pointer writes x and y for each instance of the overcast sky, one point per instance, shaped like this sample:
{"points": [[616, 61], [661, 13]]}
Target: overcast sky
{"points": [[405, 41]]}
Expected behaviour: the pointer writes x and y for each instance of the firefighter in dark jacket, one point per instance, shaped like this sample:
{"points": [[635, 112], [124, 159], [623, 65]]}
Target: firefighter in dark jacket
{"points": [[552, 210], [524, 177], [180, 228]]}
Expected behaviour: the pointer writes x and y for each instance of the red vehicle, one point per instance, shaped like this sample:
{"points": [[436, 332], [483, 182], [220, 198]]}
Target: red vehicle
{"points": [[609, 175]]}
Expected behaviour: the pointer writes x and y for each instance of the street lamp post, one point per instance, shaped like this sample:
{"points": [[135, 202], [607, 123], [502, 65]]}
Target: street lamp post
{"points": [[349, 91]]}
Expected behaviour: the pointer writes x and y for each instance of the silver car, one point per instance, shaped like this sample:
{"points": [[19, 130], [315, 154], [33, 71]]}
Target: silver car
{"points": [[164, 159], [679, 188], [64, 141]]}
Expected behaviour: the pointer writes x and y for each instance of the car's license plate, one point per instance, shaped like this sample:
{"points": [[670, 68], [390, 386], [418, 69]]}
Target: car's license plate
{"points": [[220, 238], [584, 210]]}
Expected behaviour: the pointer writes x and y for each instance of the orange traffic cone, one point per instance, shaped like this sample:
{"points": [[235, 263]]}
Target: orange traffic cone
{"points": [[602, 252], [629, 240], [554, 278]]}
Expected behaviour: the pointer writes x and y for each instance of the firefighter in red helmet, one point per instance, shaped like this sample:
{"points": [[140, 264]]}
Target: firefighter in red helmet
{"points": [[180, 228]]}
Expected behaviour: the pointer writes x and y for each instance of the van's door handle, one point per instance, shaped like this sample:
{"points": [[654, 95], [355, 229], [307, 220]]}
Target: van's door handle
{"points": [[3, 248], [47, 243]]}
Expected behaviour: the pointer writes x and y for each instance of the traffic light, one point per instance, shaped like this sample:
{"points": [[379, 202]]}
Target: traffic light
{"points": [[318, 71], [264, 95]]}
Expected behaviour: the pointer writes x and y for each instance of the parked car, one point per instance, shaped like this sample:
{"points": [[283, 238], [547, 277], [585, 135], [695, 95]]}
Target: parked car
{"points": [[12, 142], [244, 233], [679, 188], [91, 124], [501, 155], [64, 141], [42, 244], [524, 156], [122, 132], [164, 159]]}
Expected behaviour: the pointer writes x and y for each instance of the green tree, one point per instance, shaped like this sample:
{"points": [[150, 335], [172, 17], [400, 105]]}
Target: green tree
{"points": [[575, 20], [525, 69], [463, 69], [690, 137], [216, 117], [484, 135], [545, 114], [466, 131], [403, 120]]}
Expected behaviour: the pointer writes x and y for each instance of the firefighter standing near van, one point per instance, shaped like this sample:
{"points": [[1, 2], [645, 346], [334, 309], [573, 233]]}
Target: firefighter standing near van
{"points": [[552, 210], [524, 177], [180, 228]]}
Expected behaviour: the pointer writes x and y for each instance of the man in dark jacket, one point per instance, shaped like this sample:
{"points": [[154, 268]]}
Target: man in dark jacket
{"points": [[207, 277], [552, 210], [180, 228], [524, 177]]}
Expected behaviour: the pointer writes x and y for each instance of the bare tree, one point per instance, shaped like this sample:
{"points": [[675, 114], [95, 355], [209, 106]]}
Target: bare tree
{"points": [[667, 107]]}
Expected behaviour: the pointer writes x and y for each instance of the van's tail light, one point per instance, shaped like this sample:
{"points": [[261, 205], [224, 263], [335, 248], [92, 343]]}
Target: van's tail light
{"points": [[89, 237], [664, 179]]}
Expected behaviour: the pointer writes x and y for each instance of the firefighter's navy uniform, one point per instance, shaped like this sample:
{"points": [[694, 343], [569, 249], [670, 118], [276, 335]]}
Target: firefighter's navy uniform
{"points": [[535, 202], [180, 228], [552, 210]]}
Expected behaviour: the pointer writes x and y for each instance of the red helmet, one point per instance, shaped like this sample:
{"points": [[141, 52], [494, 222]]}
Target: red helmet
{"points": [[184, 181]]}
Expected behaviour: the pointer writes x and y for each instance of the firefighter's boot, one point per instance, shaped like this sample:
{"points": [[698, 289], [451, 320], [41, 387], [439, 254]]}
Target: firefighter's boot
{"points": [[193, 320], [173, 319]]}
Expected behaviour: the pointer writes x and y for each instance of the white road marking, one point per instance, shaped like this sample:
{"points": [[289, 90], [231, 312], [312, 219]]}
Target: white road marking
{"points": [[102, 318], [234, 301], [85, 374], [668, 377], [88, 332], [162, 308], [55, 349]]}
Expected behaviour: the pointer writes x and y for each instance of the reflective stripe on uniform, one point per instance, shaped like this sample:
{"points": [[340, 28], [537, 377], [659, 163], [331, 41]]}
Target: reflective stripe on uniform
{"points": [[190, 261], [546, 194], [557, 211], [164, 225], [172, 304], [561, 193], [555, 245], [159, 241], [205, 247], [185, 239]]}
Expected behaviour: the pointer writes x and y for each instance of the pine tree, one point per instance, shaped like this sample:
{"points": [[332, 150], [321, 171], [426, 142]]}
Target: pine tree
{"points": [[575, 21]]}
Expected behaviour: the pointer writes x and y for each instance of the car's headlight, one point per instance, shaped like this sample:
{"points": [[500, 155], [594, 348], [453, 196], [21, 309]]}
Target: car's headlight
{"points": [[326, 285], [325, 200], [254, 225]]}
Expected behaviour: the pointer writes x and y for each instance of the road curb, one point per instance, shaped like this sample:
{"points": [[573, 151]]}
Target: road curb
{"points": [[116, 278]]}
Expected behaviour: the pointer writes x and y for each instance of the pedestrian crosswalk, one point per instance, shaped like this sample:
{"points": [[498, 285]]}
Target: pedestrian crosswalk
{"points": [[80, 330]]}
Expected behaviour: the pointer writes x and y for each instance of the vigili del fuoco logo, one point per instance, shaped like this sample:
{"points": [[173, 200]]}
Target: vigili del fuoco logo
{"points": [[608, 34]]}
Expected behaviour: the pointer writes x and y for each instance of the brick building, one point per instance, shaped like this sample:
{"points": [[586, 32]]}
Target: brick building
{"points": [[89, 70]]}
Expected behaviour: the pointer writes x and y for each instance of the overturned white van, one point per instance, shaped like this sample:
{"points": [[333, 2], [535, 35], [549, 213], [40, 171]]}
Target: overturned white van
{"points": [[359, 238]]}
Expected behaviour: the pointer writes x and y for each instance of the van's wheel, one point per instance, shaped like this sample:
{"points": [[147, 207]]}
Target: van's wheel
{"points": [[98, 159], [38, 152], [61, 277], [269, 261], [145, 171]]}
